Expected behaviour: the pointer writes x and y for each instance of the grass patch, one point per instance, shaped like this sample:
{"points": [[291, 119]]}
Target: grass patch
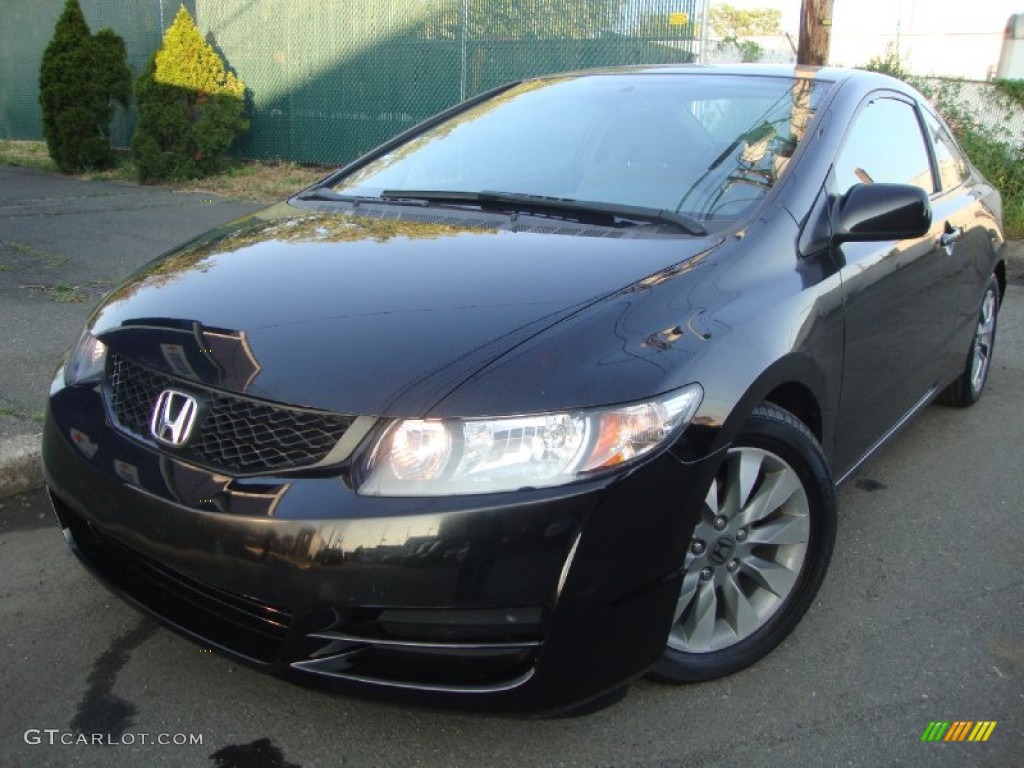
{"points": [[65, 294], [253, 180], [37, 416], [26, 154], [256, 180], [24, 249], [122, 170], [31, 252], [60, 293]]}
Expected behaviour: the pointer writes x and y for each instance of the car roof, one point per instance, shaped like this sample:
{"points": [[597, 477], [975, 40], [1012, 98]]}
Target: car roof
{"points": [[855, 84], [831, 74]]}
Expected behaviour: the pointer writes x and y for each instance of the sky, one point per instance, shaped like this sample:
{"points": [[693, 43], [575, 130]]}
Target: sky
{"points": [[912, 16]]}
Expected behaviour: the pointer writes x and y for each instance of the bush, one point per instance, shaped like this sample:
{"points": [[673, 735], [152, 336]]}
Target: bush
{"points": [[80, 78], [190, 107], [990, 147], [1003, 165]]}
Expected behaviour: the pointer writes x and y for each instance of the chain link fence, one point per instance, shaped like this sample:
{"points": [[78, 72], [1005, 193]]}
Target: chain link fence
{"points": [[997, 115], [762, 49], [329, 79]]}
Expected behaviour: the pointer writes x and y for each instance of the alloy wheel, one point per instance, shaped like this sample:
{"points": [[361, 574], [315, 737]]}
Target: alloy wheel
{"points": [[983, 341], [746, 553]]}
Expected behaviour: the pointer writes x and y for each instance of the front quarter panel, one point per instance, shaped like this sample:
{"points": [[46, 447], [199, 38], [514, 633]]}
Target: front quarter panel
{"points": [[740, 319]]}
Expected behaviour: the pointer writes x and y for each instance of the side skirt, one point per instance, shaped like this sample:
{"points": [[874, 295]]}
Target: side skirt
{"points": [[919, 406]]}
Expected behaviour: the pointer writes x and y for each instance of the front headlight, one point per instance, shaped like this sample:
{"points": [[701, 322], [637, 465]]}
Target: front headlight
{"points": [[86, 360], [434, 457]]}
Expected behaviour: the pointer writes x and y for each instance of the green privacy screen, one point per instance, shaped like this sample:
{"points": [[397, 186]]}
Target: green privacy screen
{"points": [[329, 79]]}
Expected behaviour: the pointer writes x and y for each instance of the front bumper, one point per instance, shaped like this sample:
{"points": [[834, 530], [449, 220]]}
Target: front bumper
{"points": [[535, 601]]}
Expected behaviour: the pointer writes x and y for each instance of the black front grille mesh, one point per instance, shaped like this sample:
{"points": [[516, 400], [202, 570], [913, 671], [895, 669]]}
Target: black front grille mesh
{"points": [[234, 433], [133, 393]]}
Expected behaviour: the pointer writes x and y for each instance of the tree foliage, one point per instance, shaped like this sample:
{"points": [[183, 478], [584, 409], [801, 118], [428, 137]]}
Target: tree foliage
{"points": [[749, 50], [728, 21], [1012, 89], [988, 142], [889, 63], [527, 20], [80, 78], [190, 107]]}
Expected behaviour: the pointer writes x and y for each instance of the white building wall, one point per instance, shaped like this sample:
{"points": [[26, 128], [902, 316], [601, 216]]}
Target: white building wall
{"points": [[970, 55], [950, 38]]}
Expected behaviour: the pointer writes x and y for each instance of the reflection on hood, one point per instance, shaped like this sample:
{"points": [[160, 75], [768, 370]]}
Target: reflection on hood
{"points": [[279, 224]]}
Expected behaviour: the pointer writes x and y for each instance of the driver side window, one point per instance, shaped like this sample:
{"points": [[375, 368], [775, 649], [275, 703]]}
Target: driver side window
{"points": [[885, 144]]}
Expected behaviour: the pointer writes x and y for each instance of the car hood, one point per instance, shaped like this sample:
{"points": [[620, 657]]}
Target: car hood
{"points": [[362, 314]]}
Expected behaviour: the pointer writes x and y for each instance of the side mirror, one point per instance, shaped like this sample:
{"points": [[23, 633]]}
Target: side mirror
{"points": [[875, 212]]}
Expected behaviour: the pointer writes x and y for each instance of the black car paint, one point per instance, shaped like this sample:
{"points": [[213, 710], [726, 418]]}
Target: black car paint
{"points": [[450, 308], [771, 310]]}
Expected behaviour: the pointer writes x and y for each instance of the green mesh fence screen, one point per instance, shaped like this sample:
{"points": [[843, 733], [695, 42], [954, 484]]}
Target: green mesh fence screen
{"points": [[329, 79]]}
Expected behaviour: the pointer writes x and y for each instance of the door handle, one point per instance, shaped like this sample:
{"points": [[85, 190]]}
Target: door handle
{"points": [[950, 235]]}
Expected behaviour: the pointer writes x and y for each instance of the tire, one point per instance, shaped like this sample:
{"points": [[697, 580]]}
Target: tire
{"points": [[966, 390], [758, 554]]}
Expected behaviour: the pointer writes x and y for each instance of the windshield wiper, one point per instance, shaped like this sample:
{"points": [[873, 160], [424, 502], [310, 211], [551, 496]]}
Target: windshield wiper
{"points": [[541, 204], [326, 194]]}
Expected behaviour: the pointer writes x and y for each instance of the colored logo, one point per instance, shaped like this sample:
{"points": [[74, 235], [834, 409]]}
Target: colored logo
{"points": [[958, 730]]}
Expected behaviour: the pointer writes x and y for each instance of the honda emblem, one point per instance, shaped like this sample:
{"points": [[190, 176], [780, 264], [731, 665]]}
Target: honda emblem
{"points": [[173, 417]]}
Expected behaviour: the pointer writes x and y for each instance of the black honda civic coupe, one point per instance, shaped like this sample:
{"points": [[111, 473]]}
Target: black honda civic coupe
{"points": [[550, 392]]}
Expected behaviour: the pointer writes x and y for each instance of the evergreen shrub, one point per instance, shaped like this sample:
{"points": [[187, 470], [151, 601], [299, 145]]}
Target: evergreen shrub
{"points": [[80, 78], [190, 107]]}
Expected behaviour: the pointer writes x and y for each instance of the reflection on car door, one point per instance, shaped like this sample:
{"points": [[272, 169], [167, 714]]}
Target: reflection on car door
{"points": [[967, 244], [899, 297]]}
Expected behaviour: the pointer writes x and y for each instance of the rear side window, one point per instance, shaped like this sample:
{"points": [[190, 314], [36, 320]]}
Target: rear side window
{"points": [[953, 169], [885, 144]]}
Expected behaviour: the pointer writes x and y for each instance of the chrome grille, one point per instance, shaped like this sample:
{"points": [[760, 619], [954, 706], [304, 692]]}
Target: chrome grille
{"points": [[234, 433]]}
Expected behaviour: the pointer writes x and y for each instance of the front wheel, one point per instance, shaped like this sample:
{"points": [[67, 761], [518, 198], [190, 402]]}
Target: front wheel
{"points": [[758, 554]]}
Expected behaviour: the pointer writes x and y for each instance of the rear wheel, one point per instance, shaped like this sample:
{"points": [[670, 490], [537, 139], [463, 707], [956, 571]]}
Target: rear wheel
{"points": [[758, 554], [969, 385]]}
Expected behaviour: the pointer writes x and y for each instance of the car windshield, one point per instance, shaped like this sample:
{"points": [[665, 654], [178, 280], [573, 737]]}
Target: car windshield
{"points": [[704, 145]]}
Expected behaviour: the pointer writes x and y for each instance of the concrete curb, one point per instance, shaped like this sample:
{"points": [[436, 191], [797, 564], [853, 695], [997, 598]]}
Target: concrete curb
{"points": [[21, 467]]}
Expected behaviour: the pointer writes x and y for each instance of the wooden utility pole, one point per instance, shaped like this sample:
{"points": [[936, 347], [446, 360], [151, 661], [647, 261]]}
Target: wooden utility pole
{"points": [[815, 32]]}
